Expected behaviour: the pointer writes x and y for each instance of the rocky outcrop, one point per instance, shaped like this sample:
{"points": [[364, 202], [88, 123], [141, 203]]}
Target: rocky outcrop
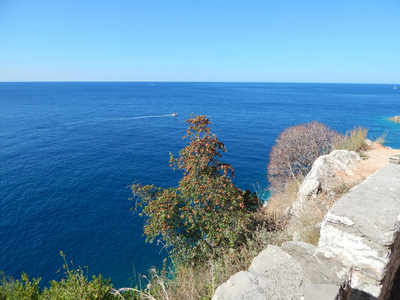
{"points": [[323, 176], [289, 272], [362, 230], [358, 254], [395, 119], [395, 159]]}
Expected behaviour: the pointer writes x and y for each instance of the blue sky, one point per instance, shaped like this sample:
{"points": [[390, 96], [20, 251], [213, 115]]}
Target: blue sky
{"points": [[350, 41]]}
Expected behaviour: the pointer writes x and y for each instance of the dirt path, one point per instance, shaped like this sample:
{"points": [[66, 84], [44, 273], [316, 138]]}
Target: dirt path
{"points": [[377, 156]]}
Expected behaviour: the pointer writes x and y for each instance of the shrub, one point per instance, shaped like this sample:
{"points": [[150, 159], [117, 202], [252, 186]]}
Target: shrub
{"points": [[206, 213], [306, 222], [295, 151], [77, 285], [382, 138], [278, 203], [20, 289]]}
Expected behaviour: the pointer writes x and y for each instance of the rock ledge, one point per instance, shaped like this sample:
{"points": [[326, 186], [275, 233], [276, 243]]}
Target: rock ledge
{"points": [[358, 254]]}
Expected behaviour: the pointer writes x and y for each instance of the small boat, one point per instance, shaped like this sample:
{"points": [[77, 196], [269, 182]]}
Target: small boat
{"points": [[174, 114], [395, 87]]}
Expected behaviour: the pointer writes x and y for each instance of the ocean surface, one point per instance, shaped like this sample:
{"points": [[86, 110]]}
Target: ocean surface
{"points": [[70, 150]]}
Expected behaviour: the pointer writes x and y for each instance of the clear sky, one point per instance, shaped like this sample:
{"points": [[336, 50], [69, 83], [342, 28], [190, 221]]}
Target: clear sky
{"points": [[350, 41]]}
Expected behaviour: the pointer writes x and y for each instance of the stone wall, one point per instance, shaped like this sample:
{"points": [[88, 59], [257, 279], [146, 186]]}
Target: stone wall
{"points": [[362, 230], [358, 254]]}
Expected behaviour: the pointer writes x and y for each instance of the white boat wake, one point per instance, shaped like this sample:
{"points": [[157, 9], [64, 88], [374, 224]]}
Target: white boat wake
{"points": [[121, 119], [146, 117]]}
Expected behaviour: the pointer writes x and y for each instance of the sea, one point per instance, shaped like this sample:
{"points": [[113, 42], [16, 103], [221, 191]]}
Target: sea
{"points": [[70, 150]]}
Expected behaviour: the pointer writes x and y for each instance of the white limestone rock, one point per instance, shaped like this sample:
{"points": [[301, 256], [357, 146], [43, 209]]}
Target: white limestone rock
{"points": [[240, 286], [362, 230], [275, 274], [323, 171], [322, 176], [395, 159]]}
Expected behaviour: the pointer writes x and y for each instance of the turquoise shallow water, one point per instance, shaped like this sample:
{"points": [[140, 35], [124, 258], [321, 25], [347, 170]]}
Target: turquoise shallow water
{"points": [[69, 151]]}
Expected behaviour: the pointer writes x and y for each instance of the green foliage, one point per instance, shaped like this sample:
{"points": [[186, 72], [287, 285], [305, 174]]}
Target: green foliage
{"points": [[20, 289], [206, 213], [76, 285]]}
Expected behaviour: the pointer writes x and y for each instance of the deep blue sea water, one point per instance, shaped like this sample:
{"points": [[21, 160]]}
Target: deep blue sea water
{"points": [[69, 151]]}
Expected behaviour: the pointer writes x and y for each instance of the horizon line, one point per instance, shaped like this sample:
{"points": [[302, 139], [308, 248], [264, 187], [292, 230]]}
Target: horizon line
{"points": [[172, 81]]}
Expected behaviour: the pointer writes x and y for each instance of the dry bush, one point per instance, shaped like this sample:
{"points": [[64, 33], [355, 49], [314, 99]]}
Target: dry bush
{"points": [[382, 139], [306, 223], [295, 151], [192, 282], [278, 203], [353, 140], [306, 227]]}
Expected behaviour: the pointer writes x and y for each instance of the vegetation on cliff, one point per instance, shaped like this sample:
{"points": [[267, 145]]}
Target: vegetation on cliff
{"points": [[214, 228], [295, 151], [75, 284], [206, 214]]}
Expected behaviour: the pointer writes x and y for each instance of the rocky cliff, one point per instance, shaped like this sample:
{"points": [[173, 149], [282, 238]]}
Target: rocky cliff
{"points": [[357, 257]]}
